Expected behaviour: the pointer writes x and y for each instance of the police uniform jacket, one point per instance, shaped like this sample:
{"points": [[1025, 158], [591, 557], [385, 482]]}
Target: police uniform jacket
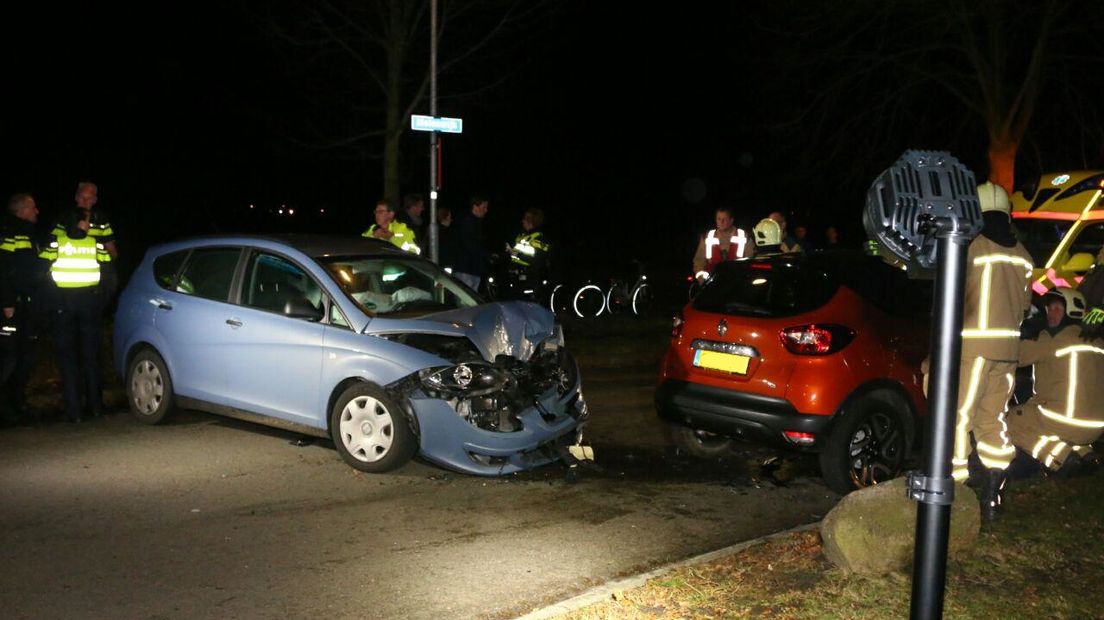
{"points": [[401, 236], [22, 272]]}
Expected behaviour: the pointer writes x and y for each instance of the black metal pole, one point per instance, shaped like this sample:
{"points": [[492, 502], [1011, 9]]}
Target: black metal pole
{"points": [[933, 514]]}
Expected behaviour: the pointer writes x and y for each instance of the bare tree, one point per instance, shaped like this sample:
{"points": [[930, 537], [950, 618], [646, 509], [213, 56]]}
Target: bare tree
{"points": [[361, 68], [879, 72]]}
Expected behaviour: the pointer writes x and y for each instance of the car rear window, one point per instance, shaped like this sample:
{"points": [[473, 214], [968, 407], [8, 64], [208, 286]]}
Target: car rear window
{"points": [[775, 288]]}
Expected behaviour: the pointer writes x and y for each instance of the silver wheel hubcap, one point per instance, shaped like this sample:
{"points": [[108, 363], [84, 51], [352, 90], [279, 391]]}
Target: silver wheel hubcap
{"points": [[367, 429], [147, 387]]}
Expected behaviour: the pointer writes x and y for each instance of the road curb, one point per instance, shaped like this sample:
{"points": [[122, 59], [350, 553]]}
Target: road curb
{"points": [[603, 592]]}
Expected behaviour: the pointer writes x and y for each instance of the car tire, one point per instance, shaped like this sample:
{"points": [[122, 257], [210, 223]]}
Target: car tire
{"points": [[700, 444], [868, 444], [149, 387], [370, 431]]}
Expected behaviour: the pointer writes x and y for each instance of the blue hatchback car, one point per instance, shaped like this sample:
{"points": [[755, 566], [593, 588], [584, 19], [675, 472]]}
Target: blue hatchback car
{"points": [[349, 339]]}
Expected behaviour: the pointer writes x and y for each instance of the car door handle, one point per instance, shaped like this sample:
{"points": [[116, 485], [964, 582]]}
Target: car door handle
{"points": [[234, 322], [161, 304]]}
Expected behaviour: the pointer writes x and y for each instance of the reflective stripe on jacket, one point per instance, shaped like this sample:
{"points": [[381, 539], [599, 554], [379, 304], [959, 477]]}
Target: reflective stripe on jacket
{"points": [[75, 263], [711, 251], [1068, 377], [997, 295]]}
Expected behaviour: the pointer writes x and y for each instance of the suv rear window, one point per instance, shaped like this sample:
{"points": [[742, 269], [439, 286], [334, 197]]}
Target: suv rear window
{"points": [[775, 288]]}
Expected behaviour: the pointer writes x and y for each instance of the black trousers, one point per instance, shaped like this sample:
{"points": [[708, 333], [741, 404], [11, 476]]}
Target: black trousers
{"points": [[77, 329], [18, 356]]}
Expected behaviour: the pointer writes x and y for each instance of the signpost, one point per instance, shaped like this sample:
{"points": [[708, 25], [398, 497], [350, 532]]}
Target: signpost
{"points": [[434, 125]]}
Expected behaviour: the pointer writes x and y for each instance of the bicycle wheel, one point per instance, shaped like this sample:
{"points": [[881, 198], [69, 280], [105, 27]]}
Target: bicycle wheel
{"points": [[616, 301], [641, 302], [589, 301]]}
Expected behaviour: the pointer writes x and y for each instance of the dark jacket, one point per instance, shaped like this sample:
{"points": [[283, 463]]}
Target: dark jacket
{"points": [[471, 251], [447, 250]]}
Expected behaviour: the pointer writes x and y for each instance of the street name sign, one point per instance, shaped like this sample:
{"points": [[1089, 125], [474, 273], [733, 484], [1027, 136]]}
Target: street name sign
{"points": [[436, 123]]}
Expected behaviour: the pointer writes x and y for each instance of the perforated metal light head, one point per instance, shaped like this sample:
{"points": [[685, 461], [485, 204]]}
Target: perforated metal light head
{"points": [[925, 194]]}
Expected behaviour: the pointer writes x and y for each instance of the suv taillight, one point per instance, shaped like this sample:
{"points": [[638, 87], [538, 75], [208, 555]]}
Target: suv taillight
{"points": [[816, 339], [676, 325]]}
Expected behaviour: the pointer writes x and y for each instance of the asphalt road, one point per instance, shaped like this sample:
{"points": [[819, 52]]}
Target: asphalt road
{"points": [[210, 517]]}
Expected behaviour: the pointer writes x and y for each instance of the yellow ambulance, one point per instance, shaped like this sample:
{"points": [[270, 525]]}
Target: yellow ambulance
{"points": [[1059, 217]]}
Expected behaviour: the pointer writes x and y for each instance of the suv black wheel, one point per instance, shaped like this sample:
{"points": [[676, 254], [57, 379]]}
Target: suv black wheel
{"points": [[868, 445]]}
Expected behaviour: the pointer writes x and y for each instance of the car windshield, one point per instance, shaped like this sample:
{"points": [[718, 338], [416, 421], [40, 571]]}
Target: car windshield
{"points": [[390, 285], [765, 288], [1040, 236]]}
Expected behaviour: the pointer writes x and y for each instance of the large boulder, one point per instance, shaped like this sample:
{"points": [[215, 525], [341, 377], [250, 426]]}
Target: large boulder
{"points": [[871, 530]]}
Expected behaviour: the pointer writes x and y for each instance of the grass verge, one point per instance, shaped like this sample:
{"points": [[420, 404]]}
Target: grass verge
{"points": [[1043, 559]]}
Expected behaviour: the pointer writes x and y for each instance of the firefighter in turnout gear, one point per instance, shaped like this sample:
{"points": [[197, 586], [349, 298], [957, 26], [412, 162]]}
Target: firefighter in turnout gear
{"points": [[996, 299], [21, 275], [1064, 416], [725, 242], [768, 237], [388, 228], [75, 269]]}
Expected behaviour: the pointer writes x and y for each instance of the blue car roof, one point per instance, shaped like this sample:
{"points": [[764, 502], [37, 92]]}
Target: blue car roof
{"points": [[313, 245]]}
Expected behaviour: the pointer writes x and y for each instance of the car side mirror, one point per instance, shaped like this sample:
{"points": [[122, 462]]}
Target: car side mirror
{"points": [[301, 308], [1079, 263]]}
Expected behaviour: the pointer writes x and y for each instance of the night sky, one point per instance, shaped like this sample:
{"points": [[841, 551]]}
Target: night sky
{"points": [[627, 127]]}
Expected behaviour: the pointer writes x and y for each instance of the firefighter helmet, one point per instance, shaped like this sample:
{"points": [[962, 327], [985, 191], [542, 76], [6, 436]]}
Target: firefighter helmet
{"points": [[993, 198], [1074, 300], [767, 232]]}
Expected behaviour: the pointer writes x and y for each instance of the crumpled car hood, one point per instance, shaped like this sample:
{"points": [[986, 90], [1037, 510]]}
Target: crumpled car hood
{"points": [[507, 328]]}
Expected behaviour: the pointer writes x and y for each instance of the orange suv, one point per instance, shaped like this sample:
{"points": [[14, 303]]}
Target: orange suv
{"points": [[817, 353]]}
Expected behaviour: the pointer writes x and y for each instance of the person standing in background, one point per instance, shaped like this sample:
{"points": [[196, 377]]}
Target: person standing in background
{"points": [[472, 255], [21, 275], [75, 259]]}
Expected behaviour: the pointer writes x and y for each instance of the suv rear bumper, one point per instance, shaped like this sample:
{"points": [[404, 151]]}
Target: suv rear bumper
{"points": [[738, 414]]}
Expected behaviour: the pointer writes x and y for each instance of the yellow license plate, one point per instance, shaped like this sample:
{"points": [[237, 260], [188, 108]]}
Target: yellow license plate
{"points": [[726, 362]]}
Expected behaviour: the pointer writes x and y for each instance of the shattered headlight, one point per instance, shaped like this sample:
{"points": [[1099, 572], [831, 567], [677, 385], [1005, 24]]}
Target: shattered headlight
{"points": [[467, 379]]}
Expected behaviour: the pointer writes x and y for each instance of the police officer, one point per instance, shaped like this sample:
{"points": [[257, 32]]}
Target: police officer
{"points": [[529, 254], [1064, 416], [996, 299], [21, 273], [99, 228], [725, 242], [75, 269], [388, 228]]}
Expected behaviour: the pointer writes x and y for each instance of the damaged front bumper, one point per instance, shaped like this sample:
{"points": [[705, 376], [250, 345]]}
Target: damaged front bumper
{"points": [[499, 431]]}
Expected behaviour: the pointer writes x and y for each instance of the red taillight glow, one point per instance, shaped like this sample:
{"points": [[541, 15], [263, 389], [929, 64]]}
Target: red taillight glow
{"points": [[815, 339], [800, 438], [676, 325]]}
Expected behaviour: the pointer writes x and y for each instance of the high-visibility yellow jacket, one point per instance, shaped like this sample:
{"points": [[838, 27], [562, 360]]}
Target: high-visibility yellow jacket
{"points": [[997, 296], [75, 263], [401, 236], [1069, 378], [529, 249]]}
